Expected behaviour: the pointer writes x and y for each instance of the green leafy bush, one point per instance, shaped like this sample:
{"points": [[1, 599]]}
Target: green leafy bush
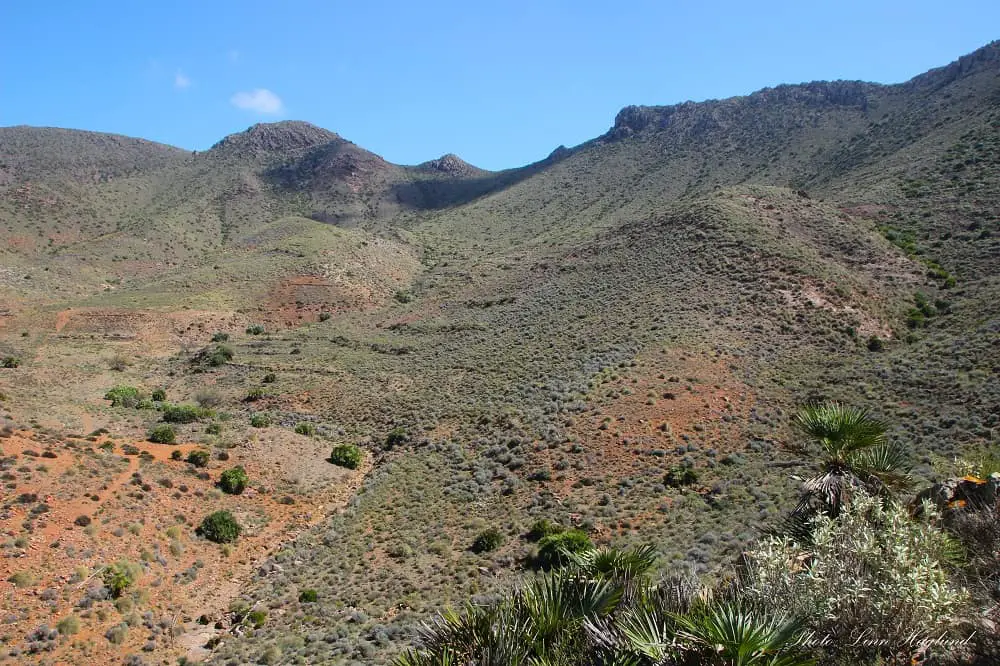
{"points": [[255, 329], [234, 481], [162, 434], [542, 528], [124, 396], [159, 395], [255, 394], [270, 378], [10, 362], [554, 550], [305, 429], [219, 336], [68, 626], [184, 413], [680, 475], [198, 457], [120, 576], [176, 455], [219, 356], [260, 420], [220, 527], [308, 595], [487, 540], [346, 455]]}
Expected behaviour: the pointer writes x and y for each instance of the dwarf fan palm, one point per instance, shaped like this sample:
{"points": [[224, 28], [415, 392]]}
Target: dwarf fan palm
{"points": [[853, 453]]}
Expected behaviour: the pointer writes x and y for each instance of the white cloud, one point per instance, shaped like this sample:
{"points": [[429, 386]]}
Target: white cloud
{"points": [[260, 100], [180, 81]]}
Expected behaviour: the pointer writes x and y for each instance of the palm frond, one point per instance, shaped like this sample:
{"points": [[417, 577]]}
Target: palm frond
{"points": [[838, 429], [886, 463], [607, 562]]}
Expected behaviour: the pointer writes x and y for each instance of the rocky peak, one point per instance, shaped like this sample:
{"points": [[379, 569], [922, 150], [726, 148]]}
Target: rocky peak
{"points": [[451, 164], [281, 137]]}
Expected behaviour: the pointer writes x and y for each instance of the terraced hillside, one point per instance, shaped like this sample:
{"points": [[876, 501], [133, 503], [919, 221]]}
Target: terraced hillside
{"points": [[547, 342]]}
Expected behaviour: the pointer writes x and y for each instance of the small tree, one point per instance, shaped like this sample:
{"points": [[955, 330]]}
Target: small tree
{"points": [[397, 437], [220, 527], [346, 455], [123, 396], [555, 550], [119, 577], [234, 481]]}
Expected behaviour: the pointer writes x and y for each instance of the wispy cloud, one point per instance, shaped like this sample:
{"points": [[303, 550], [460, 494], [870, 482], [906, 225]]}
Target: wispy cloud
{"points": [[181, 81], [260, 100], [233, 56]]}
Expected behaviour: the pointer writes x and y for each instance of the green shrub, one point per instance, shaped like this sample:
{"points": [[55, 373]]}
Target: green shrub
{"points": [[176, 454], [219, 356], [219, 336], [876, 344], [255, 394], [234, 481], [255, 329], [542, 528], [396, 437], [213, 428], [487, 540], [68, 626], [21, 579], [159, 395], [323, 316], [184, 413], [123, 396], [553, 549], [680, 475], [346, 455], [260, 420], [120, 576], [220, 527], [198, 457], [270, 378], [162, 434], [10, 362], [305, 429], [308, 595]]}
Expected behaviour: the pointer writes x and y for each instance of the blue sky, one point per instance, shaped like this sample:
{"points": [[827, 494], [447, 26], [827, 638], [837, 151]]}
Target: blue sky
{"points": [[499, 83]]}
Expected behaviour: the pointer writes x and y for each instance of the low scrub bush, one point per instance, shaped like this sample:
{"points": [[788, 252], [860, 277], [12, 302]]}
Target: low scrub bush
{"points": [[220, 527], [234, 481], [162, 434], [260, 420], [10, 362], [346, 455], [124, 396], [487, 540], [305, 429], [198, 457], [555, 549], [184, 413], [120, 576]]}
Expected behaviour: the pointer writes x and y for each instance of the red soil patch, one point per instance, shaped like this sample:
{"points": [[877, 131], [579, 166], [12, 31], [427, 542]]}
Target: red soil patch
{"points": [[131, 501]]}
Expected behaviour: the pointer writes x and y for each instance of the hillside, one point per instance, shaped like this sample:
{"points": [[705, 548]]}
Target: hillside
{"points": [[543, 342]]}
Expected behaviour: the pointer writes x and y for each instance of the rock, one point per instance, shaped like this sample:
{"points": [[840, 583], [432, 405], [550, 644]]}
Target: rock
{"points": [[968, 492]]}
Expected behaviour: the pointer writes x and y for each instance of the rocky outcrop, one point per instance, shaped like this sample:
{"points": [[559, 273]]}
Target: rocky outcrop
{"points": [[968, 492]]}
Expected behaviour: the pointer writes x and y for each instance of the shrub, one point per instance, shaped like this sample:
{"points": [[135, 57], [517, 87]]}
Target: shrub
{"points": [[198, 457], [876, 344], [872, 571], [487, 540], [176, 454], [346, 455], [305, 429], [159, 395], [68, 626], [255, 329], [542, 528], [219, 356], [260, 420], [119, 577], [123, 396], [254, 394], [21, 579], [213, 428], [308, 595], [207, 398], [162, 434], [396, 437], [323, 316], [553, 550], [183, 413], [234, 481], [220, 527], [270, 378], [10, 362], [82, 521], [219, 336], [680, 475]]}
